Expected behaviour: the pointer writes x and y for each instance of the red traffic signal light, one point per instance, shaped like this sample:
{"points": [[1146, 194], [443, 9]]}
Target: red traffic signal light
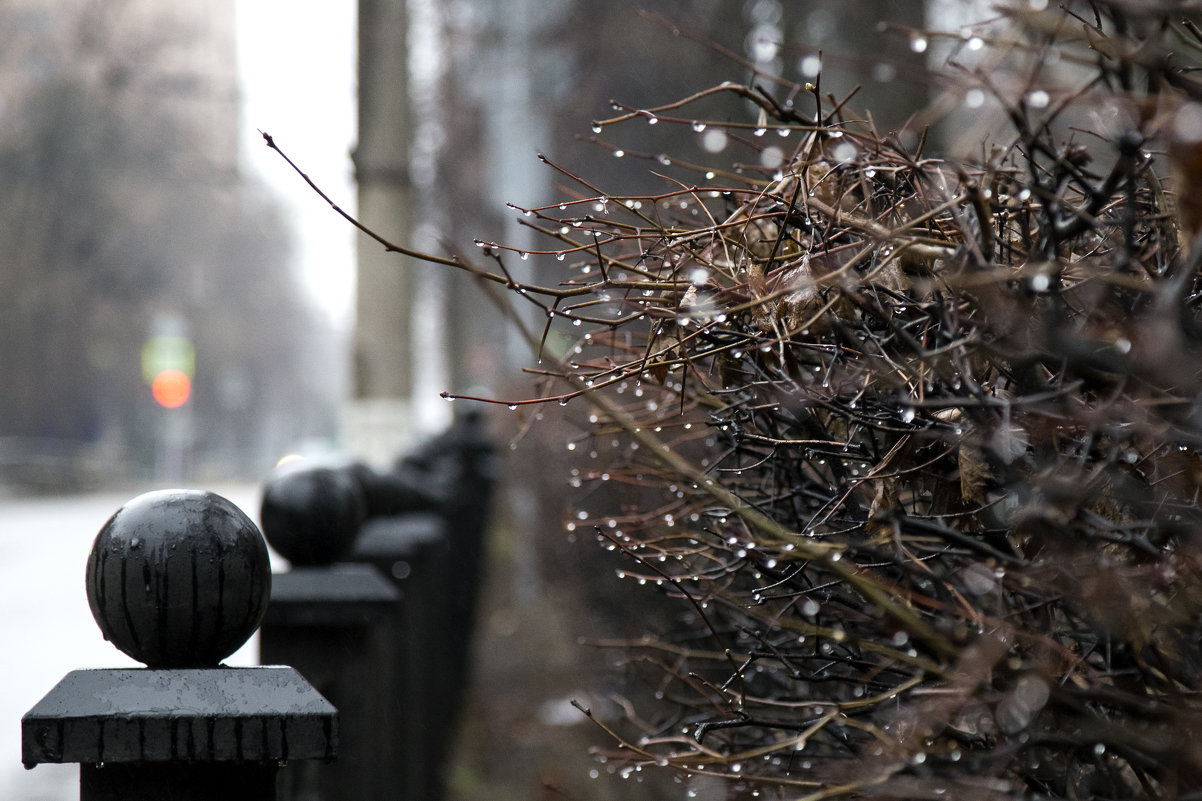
{"points": [[171, 388]]}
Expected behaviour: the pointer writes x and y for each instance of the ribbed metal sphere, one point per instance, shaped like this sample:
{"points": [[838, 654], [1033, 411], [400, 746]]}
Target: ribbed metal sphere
{"points": [[178, 578], [311, 515]]}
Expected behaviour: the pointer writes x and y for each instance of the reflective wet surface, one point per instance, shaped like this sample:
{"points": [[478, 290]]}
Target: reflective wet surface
{"points": [[46, 628]]}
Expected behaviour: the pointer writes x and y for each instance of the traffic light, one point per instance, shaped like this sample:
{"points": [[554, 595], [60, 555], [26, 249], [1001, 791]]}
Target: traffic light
{"points": [[168, 362], [171, 388]]}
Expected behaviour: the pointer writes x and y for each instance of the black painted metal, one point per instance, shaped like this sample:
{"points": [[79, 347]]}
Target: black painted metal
{"points": [[434, 552], [311, 515], [178, 578], [133, 715], [227, 781], [335, 625], [424, 531], [412, 551]]}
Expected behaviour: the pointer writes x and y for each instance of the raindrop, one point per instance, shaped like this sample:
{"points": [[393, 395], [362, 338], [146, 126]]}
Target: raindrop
{"points": [[560, 256], [918, 44], [844, 152], [619, 153], [772, 157], [512, 407], [698, 126], [1038, 99]]}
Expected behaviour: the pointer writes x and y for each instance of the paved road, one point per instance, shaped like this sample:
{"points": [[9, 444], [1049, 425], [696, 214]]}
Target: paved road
{"points": [[46, 628]]}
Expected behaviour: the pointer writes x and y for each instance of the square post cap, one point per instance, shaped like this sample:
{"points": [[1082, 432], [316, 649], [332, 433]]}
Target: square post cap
{"points": [[134, 715]]}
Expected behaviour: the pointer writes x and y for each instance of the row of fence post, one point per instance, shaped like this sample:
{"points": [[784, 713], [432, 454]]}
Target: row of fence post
{"points": [[373, 623]]}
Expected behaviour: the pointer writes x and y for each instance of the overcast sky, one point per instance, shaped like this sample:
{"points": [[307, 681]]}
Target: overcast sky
{"points": [[296, 59]]}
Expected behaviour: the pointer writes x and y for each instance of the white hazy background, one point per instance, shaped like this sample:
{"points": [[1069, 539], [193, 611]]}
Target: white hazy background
{"points": [[297, 68]]}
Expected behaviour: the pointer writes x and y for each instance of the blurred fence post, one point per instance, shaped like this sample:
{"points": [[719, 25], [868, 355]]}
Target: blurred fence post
{"points": [[335, 624], [425, 530], [179, 580], [379, 608]]}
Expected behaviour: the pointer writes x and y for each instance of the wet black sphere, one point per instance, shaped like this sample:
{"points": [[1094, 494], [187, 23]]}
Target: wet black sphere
{"points": [[311, 515], [178, 578]]}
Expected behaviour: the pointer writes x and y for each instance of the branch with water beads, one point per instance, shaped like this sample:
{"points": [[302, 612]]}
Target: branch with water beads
{"points": [[759, 98], [825, 555], [392, 247], [389, 246]]}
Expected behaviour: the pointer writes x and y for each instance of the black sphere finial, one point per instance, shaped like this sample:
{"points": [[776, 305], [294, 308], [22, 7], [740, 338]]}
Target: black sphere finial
{"points": [[312, 515], [178, 578]]}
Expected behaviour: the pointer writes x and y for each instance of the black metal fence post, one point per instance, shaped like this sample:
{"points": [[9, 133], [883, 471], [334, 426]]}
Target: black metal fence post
{"points": [[335, 624], [399, 681], [425, 530], [179, 580]]}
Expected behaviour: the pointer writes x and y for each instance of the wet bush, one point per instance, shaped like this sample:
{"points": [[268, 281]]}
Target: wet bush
{"points": [[912, 442]]}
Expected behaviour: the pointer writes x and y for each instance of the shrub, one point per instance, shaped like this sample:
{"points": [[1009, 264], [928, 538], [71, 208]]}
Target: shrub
{"points": [[912, 443]]}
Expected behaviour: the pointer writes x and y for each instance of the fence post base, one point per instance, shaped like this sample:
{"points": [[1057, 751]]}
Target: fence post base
{"points": [[233, 781]]}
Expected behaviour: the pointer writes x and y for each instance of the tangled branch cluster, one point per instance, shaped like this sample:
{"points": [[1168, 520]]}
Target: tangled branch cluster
{"points": [[916, 444]]}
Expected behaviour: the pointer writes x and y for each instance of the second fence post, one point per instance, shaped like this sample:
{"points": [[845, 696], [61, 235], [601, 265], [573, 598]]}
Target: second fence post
{"points": [[335, 624]]}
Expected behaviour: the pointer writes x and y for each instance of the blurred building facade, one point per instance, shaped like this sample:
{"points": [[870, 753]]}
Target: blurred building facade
{"points": [[130, 220]]}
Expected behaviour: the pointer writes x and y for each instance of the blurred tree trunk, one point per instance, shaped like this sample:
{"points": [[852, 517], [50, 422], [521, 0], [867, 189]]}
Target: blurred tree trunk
{"points": [[387, 289]]}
